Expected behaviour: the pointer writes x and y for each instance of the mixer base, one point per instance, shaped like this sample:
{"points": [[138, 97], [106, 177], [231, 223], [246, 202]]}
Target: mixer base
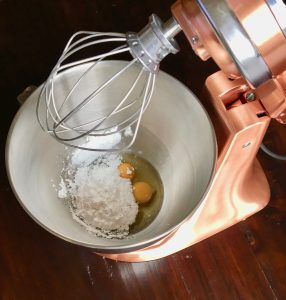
{"points": [[239, 187]]}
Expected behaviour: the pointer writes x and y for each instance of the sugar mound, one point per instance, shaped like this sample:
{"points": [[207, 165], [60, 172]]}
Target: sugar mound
{"points": [[100, 200]]}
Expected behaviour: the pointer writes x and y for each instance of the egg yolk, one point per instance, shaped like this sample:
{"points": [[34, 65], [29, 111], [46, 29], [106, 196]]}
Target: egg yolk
{"points": [[142, 192], [126, 170]]}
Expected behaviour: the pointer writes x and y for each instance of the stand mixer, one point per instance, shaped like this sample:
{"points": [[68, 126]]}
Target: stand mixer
{"points": [[247, 41]]}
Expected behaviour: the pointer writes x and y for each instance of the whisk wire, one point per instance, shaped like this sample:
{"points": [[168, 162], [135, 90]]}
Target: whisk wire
{"points": [[68, 54], [80, 79], [97, 120], [86, 101], [146, 100], [50, 97], [115, 110]]}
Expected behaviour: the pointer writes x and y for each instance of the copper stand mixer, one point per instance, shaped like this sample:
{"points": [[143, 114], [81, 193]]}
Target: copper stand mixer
{"points": [[247, 41]]}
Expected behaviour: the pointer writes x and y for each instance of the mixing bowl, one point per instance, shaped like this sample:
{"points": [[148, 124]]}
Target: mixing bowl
{"points": [[175, 136]]}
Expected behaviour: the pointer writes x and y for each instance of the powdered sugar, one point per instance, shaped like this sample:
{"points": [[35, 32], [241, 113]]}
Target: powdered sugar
{"points": [[99, 198], [62, 192], [100, 142]]}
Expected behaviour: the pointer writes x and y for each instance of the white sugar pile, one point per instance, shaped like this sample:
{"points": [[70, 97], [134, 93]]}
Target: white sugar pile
{"points": [[100, 199]]}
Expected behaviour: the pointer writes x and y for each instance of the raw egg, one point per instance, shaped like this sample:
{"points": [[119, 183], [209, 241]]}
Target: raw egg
{"points": [[126, 170], [142, 192]]}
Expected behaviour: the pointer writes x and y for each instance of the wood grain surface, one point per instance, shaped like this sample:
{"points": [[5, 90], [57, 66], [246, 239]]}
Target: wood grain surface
{"points": [[247, 261]]}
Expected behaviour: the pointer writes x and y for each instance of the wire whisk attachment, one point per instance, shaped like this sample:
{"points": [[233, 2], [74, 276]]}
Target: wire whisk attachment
{"points": [[96, 102]]}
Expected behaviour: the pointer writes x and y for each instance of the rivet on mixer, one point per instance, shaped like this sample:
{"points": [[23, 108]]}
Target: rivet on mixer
{"points": [[183, 168]]}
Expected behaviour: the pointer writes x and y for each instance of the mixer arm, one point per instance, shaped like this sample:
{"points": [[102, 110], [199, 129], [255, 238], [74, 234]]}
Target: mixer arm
{"points": [[247, 40]]}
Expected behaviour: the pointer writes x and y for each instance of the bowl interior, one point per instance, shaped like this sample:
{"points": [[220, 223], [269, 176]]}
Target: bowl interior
{"points": [[175, 136]]}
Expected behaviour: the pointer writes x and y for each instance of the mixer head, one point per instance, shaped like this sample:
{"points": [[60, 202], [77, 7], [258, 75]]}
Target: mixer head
{"points": [[106, 117]]}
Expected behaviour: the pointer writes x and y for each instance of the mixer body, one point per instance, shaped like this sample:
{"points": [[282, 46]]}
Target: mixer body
{"points": [[247, 41], [239, 187]]}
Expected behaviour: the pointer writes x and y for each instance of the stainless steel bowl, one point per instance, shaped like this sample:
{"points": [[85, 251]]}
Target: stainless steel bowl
{"points": [[176, 136]]}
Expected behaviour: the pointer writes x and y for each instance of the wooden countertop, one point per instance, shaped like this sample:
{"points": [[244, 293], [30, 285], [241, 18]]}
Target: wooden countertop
{"points": [[246, 261]]}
